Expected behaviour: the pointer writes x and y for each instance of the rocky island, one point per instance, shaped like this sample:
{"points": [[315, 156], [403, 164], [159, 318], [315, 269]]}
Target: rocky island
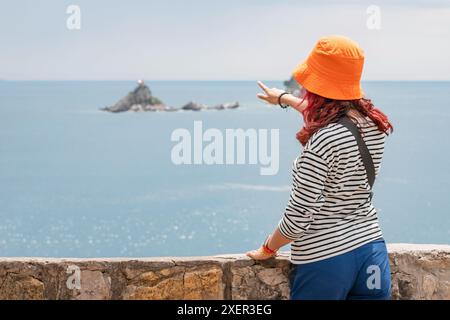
{"points": [[141, 99]]}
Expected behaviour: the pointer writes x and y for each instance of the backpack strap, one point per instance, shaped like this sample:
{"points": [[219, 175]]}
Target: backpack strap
{"points": [[363, 150]]}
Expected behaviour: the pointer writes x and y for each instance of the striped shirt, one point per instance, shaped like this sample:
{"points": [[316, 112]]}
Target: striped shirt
{"points": [[329, 211]]}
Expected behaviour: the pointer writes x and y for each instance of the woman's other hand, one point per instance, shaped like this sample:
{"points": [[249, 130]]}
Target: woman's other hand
{"points": [[260, 254], [270, 95]]}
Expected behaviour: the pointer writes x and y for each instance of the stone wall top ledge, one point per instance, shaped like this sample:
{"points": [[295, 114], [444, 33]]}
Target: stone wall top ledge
{"points": [[221, 258], [410, 247], [283, 255]]}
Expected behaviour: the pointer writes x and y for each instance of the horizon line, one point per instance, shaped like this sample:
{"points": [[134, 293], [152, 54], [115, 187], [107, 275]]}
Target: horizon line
{"points": [[210, 80]]}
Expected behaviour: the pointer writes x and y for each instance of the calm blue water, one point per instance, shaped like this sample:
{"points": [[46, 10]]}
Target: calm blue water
{"points": [[76, 181]]}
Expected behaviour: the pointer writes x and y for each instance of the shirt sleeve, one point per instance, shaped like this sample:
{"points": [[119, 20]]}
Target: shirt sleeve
{"points": [[309, 175]]}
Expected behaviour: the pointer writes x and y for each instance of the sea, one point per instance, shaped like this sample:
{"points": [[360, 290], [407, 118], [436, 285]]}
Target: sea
{"points": [[76, 181]]}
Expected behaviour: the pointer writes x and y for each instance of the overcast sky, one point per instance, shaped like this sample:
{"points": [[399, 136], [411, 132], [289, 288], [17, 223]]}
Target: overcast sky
{"points": [[216, 40]]}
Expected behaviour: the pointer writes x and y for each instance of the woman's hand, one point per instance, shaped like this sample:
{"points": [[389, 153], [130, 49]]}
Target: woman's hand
{"points": [[270, 246], [270, 95], [260, 254], [263, 252]]}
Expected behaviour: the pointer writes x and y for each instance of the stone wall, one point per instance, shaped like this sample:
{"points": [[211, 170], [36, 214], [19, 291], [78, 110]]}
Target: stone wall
{"points": [[418, 272]]}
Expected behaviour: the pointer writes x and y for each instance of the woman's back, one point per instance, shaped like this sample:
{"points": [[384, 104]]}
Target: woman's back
{"points": [[336, 241], [330, 176]]}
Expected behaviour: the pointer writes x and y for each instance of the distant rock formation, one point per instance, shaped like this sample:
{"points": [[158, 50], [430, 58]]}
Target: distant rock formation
{"points": [[293, 87], [141, 99]]}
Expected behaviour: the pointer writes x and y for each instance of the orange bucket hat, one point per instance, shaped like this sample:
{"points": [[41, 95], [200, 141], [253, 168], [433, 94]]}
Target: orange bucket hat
{"points": [[333, 69]]}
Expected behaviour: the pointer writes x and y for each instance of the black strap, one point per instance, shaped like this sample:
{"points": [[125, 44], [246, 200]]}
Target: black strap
{"points": [[364, 151]]}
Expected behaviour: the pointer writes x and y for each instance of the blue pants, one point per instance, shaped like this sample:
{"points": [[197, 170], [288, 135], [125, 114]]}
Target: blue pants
{"points": [[362, 273]]}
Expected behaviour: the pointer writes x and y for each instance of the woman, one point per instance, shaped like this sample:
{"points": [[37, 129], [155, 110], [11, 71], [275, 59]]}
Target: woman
{"points": [[337, 249]]}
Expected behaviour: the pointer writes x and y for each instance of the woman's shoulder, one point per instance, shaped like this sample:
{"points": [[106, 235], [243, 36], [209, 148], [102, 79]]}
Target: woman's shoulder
{"points": [[334, 134], [323, 135]]}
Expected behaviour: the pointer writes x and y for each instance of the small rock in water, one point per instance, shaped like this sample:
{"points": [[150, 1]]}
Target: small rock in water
{"points": [[229, 105], [191, 105]]}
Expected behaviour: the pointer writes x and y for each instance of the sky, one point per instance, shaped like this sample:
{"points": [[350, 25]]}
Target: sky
{"points": [[217, 40]]}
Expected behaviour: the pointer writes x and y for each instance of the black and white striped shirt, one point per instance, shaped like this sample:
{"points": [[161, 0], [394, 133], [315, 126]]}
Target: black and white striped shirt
{"points": [[329, 211]]}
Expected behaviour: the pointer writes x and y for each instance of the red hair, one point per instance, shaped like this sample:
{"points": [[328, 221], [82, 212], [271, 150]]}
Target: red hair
{"points": [[321, 111]]}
